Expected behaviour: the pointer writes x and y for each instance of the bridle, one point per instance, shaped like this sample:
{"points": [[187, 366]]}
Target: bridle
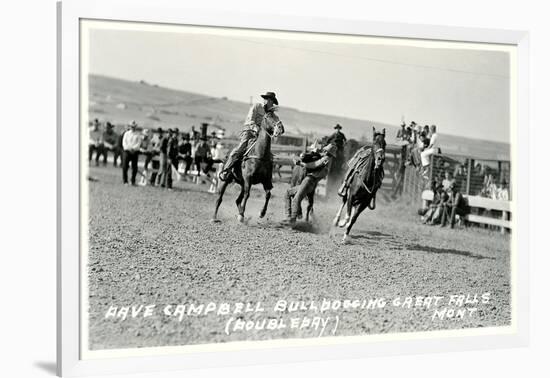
{"points": [[277, 125], [380, 149]]}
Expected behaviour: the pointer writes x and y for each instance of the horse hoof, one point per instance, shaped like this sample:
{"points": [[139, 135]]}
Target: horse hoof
{"points": [[343, 223], [215, 220], [240, 218], [345, 240], [262, 215]]}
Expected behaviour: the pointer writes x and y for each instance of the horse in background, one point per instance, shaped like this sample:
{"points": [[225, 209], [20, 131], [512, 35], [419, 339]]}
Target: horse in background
{"points": [[256, 168], [365, 181]]}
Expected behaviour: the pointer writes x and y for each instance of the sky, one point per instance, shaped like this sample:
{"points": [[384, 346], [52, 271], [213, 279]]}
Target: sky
{"points": [[464, 92]]}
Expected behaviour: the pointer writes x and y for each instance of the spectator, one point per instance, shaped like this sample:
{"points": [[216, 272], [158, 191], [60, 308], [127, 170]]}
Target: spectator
{"points": [[173, 148], [119, 144], [428, 152], [194, 134], [502, 191], [447, 180], [404, 135], [416, 149], [489, 189], [218, 153], [110, 139], [165, 175], [433, 214], [95, 143], [454, 206], [155, 147], [202, 157], [185, 152], [130, 145], [426, 131], [146, 148]]}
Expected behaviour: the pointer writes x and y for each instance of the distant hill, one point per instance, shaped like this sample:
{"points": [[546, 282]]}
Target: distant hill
{"points": [[152, 106]]}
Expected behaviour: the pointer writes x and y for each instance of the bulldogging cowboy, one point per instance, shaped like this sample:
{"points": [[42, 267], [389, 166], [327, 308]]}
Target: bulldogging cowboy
{"points": [[316, 170], [250, 130]]}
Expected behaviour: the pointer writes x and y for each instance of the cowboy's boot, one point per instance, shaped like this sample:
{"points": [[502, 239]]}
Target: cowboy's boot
{"points": [[224, 173]]}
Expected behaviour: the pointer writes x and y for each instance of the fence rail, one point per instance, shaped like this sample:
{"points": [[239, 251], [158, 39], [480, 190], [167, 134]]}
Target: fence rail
{"points": [[481, 206]]}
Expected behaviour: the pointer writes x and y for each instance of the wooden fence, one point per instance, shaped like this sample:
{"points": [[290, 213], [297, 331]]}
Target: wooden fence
{"points": [[481, 208]]}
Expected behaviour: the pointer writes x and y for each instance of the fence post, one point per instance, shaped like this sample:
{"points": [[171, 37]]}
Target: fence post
{"points": [[468, 175]]}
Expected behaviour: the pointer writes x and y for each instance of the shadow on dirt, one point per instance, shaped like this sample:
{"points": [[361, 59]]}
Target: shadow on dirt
{"points": [[371, 235], [311, 228], [426, 248], [301, 226]]}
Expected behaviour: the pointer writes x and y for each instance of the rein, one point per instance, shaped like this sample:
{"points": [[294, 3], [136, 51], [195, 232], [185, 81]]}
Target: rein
{"points": [[273, 135], [254, 143]]}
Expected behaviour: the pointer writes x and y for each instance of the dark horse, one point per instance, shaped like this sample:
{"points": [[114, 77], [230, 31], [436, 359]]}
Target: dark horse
{"points": [[256, 167], [364, 184]]}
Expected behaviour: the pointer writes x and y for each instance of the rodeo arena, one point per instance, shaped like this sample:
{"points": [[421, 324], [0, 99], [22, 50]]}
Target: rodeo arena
{"points": [[188, 213]]}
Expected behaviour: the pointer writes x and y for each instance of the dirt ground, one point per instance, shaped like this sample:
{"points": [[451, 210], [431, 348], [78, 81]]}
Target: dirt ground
{"points": [[150, 246]]}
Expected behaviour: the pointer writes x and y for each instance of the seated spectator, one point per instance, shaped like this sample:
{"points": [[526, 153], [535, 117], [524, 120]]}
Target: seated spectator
{"points": [[433, 214], [447, 180], [502, 191], [439, 206], [454, 207], [432, 148], [403, 137], [489, 189], [416, 149]]}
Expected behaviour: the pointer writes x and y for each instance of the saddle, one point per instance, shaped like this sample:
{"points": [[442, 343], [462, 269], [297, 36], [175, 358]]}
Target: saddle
{"points": [[357, 166]]}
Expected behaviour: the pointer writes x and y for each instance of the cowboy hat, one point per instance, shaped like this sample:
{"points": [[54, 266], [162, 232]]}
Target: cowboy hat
{"points": [[272, 96], [132, 124], [337, 127]]}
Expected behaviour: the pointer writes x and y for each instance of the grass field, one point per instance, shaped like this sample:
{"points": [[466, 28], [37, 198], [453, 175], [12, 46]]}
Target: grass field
{"points": [[153, 246]]}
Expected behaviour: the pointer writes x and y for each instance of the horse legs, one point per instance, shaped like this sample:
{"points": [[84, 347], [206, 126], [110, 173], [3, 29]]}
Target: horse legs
{"points": [[219, 200], [267, 197], [339, 213], [245, 193], [356, 211]]}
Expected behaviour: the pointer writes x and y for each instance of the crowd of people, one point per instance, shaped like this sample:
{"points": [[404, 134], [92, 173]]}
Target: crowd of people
{"points": [[420, 143], [448, 205], [493, 189], [165, 152]]}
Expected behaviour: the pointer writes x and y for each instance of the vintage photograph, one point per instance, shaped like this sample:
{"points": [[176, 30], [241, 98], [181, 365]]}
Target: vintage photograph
{"points": [[249, 186]]}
